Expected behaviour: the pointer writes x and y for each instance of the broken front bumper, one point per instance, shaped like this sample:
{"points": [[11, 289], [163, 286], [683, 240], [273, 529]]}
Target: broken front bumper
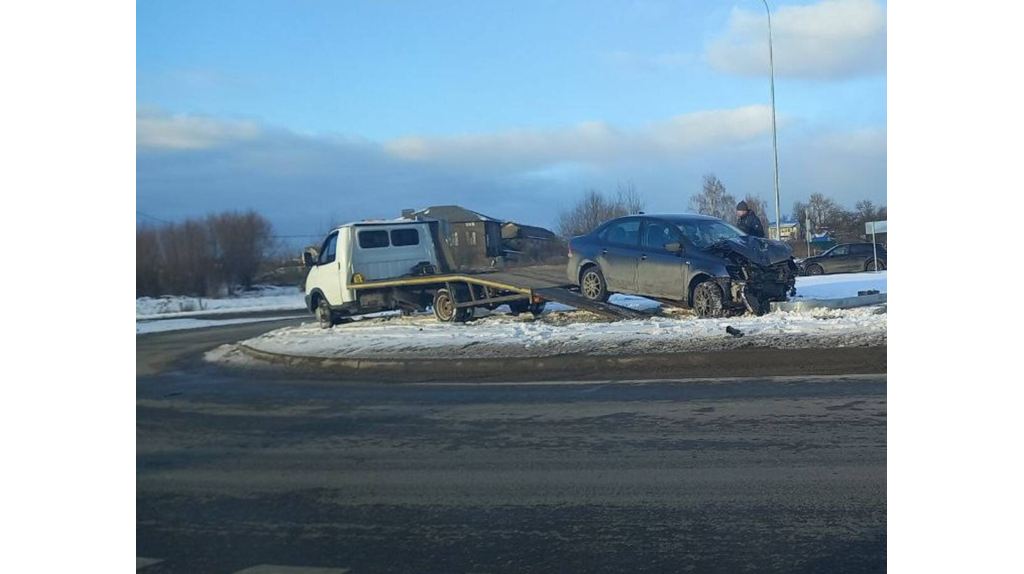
{"points": [[754, 288]]}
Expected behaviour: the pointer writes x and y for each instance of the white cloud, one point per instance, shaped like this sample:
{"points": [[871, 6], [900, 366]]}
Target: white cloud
{"points": [[830, 39], [590, 141], [156, 130]]}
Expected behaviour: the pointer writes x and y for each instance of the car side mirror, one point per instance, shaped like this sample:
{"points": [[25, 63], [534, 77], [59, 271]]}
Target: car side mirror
{"points": [[674, 247], [307, 258]]}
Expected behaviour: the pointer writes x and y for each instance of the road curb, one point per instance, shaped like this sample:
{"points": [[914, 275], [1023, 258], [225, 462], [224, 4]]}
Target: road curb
{"points": [[742, 362], [842, 303]]}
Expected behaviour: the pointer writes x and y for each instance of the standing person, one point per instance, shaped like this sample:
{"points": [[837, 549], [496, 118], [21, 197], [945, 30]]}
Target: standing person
{"points": [[748, 221]]}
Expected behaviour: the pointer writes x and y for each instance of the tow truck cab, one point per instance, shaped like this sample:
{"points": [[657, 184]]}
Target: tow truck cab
{"points": [[371, 251]]}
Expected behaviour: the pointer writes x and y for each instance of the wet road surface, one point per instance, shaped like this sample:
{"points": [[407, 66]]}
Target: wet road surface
{"points": [[239, 470]]}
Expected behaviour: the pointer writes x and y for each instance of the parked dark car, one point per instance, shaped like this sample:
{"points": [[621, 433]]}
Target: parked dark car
{"points": [[700, 261], [844, 258]]}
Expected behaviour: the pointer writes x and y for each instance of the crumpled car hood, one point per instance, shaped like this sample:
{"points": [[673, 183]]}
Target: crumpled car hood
{"points": [[764, 252]]}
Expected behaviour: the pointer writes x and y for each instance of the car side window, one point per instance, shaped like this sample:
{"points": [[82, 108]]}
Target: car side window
{"points": [[861, 250], [841, 251], [329, 250], [658, 233], [625, 233]]}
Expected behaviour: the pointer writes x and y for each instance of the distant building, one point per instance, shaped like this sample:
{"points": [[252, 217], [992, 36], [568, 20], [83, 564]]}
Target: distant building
{"points": [[790, 231], [475, 239]]}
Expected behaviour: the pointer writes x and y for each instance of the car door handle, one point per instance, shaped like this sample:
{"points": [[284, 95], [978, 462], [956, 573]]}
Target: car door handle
{"points": [[643, 257], [604, 251]]}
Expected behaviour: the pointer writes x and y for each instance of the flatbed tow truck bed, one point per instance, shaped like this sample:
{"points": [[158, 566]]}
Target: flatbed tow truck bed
{"points": [[494, 287]]}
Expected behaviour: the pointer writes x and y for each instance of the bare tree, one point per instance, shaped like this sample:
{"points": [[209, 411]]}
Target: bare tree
{"points": [[629, 199], [827, 215], [241, 241], [147, 261], [201, 256], [594, 208], [714, 200]]}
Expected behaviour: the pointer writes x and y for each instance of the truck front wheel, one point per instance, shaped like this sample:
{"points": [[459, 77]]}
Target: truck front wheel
{"points": [[445, 309], [324, 317]]}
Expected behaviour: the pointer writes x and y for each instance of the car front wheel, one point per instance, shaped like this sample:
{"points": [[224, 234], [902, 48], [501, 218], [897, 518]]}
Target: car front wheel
{"points": [[707, 300], [870, 265], [814, 269]]}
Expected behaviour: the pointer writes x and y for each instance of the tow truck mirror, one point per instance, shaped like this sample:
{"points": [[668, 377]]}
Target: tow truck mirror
{"points": [[674, 247]]}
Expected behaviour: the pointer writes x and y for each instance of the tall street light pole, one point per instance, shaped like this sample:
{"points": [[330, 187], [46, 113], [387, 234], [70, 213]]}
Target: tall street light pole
{"points": [[775, 138]]}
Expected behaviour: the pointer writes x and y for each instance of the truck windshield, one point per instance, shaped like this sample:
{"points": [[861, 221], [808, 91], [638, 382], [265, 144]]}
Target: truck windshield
{"points": [[704, 233]]}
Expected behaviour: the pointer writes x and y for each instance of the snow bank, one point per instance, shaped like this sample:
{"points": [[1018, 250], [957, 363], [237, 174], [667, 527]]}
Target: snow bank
{"points": [[839, 285], [260, 298], [500, 335]]}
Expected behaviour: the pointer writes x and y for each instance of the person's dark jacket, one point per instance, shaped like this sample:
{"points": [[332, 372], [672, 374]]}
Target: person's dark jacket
{"points": [[751, 224]]}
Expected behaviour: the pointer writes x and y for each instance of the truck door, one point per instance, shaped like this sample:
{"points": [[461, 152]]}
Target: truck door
{"points": [[619, 254], [326, 275], [660, 273]]}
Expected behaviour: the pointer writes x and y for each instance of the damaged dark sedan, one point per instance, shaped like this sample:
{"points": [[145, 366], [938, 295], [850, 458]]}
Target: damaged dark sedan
{"points": [[697, 261]]}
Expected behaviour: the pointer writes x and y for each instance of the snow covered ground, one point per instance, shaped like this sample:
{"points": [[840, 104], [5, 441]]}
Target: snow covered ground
{"points": [[261, 298], [573, 332], [563, 330]]}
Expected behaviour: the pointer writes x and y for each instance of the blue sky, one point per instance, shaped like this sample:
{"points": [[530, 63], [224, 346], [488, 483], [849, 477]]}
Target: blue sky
{"points": [[319, 111]]}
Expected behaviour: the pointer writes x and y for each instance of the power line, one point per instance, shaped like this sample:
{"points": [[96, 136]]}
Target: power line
{"points": [[154, 218], [137, 212]]}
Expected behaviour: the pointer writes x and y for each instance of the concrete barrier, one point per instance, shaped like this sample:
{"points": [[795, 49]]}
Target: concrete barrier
{"points": [[843, 303]]}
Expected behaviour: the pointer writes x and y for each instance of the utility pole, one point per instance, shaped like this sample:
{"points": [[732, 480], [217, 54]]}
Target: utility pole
{"points": [[775, 138]]}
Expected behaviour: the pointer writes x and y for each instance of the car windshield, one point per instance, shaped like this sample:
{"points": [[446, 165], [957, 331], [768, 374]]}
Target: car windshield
{"points": [[703, 233]]}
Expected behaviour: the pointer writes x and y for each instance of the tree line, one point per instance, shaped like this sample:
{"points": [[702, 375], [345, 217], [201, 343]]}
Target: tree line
{"points": [[201, 257], [826, 214]]}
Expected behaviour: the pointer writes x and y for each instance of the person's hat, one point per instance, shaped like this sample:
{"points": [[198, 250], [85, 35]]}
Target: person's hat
{"points": [[742, 206]]}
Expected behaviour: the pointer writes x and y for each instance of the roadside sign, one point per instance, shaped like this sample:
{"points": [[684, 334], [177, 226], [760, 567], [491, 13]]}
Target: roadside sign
{"points": [[874, 227]]}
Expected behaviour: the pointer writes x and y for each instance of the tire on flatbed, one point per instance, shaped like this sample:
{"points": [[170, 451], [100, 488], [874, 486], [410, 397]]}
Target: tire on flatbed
{"points": [[517, 308], [445, 309]]}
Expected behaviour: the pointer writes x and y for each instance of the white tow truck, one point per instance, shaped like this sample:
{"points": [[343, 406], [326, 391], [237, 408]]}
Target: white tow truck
{"points": [[406, 265]]}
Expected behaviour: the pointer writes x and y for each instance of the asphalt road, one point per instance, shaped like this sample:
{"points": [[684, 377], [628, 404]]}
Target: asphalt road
{"points": [[240, 470]]}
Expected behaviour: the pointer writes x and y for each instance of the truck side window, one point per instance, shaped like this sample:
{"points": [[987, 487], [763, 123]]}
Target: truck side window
{"points": [[329, 250], [403, 237], [373, 239]]}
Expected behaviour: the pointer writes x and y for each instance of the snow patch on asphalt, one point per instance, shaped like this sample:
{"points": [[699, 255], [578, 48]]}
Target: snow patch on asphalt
{"points": [[259, 298], [146, 327]]}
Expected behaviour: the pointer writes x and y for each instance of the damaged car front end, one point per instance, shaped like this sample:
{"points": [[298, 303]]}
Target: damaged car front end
{"points": [[760, 271]]}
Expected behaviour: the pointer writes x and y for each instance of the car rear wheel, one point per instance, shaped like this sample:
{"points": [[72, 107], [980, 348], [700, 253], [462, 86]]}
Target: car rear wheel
{"points": [[445, 309], [814, 269], [592, 284], [707, 300]]}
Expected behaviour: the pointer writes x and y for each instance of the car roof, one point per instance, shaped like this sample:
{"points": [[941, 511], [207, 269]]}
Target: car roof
{"points": [[391, 222], [674, 217]]}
